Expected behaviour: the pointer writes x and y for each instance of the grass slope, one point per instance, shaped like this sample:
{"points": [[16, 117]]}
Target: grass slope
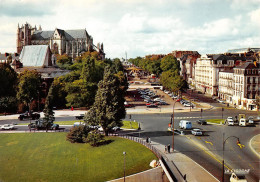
{"points": [[49, 157]]}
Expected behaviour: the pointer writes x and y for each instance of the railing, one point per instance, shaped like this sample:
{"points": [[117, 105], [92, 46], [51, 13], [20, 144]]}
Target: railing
{"points": [[173, 171]]}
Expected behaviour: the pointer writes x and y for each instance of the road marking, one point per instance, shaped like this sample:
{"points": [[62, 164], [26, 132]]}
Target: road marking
{"points": [[251, 166], [211, 155], [208, 142], [239, 157], [198, 138]]}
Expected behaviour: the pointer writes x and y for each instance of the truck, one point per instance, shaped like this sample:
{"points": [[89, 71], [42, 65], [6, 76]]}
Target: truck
{"points": [[184, 124], [40, 124], [29, 115]]}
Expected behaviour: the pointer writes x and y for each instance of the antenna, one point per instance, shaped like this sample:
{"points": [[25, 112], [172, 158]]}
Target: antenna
{"points": [[125, 56]]}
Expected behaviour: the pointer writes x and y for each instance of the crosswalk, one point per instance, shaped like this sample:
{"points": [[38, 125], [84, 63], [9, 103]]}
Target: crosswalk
{"points": [[186, 117]]}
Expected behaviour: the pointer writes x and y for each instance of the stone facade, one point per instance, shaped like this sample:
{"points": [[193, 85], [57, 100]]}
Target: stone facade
{"points": [[70, 42], [226, 86]]}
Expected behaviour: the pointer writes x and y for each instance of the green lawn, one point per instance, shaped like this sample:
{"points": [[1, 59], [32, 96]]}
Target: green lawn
{"points": [[126, 124], [33, 157], [218, 121], [130, 125]]}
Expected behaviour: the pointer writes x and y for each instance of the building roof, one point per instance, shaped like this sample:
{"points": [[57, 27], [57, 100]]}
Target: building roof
{"points": [[243, 50], [248, 65], [34, 55], [69, 34], [42, 35]]}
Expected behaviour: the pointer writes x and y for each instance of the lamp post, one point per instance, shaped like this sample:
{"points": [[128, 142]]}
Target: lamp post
{"points": [[124, 153], [173, 125], [223, 146]]}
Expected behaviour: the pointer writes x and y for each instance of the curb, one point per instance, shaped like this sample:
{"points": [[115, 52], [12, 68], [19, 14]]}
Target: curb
{"points": [[250, 145]]}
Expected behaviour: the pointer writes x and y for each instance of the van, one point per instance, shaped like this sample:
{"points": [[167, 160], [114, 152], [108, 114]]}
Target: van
{"points": [[184, 124], [242, 122]]}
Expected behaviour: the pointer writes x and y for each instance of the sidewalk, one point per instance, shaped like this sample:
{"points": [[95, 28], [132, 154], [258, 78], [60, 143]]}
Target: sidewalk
{"points": [[193, 171]]}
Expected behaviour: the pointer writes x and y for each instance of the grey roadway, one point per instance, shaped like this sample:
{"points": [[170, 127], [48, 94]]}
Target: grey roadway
{"points": [[206, 150]]}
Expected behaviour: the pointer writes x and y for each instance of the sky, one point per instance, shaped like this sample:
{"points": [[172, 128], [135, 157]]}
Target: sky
{"points": [[141, 27]]}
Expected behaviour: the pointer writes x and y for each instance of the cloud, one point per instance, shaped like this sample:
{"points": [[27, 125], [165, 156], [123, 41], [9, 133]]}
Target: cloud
{"points": [[255, 17], [25, 8]]}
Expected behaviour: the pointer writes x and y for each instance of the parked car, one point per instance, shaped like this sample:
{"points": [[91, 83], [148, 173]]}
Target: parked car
{"points": [[187, 104], [7, 127], [242, 122], [166, 91], [81, 116], [162, 103], [202, 122], [152, 105], [28, 115], [157, 99], [196, 132], [250, 120], [230, 121]]}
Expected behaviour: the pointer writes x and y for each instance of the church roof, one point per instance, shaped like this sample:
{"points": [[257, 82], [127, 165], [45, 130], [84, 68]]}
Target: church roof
{"points": [[69, 34], [34, 55], [42, 35]]}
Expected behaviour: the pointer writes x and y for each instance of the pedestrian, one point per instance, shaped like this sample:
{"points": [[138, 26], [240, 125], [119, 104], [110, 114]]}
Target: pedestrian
{"points": [[165, 149], [169, 148], [147, 140], [72, 108]]}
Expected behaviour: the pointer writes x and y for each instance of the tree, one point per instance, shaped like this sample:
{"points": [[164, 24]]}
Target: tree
{"points": [[8, 83], [78, 134], [169, 62], [172, 80], [48, 109], [8, 80], [29, 84], [64, 61], [108, 108]]}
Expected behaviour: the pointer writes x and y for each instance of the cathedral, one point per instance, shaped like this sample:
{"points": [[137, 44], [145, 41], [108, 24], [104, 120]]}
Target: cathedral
{"points": [[70, 42]]}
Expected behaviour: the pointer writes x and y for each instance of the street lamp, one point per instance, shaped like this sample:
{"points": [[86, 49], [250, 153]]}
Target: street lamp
{"points": [[173, 125], [223, 163], [124, 153]]}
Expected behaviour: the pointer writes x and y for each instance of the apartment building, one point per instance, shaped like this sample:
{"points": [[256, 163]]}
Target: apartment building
{"points": [[246, 85], [226, 85], [206, 75]]}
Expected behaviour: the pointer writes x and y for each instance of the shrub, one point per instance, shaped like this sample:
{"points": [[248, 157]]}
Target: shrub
{"points": [[94, 138], [78, 134]]}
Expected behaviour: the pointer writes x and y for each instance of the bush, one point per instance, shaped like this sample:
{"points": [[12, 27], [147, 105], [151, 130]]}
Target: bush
{"points": [[78, 134], [94, 138]]}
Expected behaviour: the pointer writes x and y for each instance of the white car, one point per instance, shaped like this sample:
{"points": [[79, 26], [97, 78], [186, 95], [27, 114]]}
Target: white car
{"points": [[196, 132], [230, 121], [7, 127], [157, 99], [251, 120], [187, 104]]}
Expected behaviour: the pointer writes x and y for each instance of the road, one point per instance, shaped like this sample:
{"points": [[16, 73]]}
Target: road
{"points": [[205, 150]]}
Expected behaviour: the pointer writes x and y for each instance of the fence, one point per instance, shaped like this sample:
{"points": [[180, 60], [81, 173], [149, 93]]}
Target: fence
{"points": [[171, 168]]}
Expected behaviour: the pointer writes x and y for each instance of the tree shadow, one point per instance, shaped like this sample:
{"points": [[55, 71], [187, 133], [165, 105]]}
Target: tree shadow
{"points": [[105, 142]]}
